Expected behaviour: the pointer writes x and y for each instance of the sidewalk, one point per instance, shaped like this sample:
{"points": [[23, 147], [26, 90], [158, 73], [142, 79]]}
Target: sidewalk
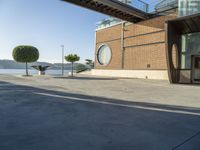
{"points": [[136, 90]]}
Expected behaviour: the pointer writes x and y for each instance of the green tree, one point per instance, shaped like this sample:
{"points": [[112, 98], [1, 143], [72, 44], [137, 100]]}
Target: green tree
{"points": [[90, 63], [25, 54], [72, 58]]}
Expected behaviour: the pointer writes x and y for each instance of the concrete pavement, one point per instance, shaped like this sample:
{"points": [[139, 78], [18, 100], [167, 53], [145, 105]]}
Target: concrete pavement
{"points": [[43, 118], [134, 90]]}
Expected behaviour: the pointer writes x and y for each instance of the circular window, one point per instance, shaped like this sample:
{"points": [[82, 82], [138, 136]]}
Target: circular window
{"points": [[104, 55]]}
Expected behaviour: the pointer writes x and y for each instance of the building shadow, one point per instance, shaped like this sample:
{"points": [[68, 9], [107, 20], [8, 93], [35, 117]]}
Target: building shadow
{"points": [[86, 78], [34, 118], [10, 86]]}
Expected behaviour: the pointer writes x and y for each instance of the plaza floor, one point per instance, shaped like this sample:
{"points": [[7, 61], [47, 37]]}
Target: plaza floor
{"points": [[97, 113]]}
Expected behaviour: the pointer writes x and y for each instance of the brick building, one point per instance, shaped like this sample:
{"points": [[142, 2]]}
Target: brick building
{"points": [[137, 50], [163, 44]]}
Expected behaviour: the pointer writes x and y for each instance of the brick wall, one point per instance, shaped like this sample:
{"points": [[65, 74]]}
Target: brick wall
{"points": [[144, 45], [115, 62], [145, 57]]}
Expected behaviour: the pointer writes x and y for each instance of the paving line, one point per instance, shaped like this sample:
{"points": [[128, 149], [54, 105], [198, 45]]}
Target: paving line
{"points": [[117, 104]]}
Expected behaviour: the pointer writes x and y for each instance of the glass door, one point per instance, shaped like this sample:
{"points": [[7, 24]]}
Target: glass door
{"points": [[195, 72]]}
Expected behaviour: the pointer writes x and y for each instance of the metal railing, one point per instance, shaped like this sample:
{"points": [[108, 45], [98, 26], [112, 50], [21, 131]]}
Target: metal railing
{"points": [[154, 7], [141, 5], [138, 4], [166, 4]]}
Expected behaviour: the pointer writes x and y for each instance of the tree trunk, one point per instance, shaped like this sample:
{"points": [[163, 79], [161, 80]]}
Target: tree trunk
{"points": [[26, 69], [72, 69]]}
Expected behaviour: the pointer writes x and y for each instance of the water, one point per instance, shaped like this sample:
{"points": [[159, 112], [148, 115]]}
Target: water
{"points": [[31, 72]]}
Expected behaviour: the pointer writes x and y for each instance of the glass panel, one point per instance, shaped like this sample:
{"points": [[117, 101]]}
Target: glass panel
{"points": [[183, 66], [189, 7], [190, 46], [166, 5], [104, 55], [139, 4], [197, 63]]}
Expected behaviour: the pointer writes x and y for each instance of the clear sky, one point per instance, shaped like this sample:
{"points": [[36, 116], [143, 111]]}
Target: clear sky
{"points": [[47, 24]]}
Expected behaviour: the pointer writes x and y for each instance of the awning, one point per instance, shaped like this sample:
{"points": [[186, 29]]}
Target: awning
{"points": [[187, 24]]}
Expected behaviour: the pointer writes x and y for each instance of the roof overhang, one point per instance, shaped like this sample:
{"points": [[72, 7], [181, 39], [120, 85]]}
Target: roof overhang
{"points": [[187, 24], [174, 29], [112, 8]]}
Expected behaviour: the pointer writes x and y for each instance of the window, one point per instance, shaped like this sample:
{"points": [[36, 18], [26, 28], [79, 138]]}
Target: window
{"points": [[189, 7], [190, 46], [104, 55]]}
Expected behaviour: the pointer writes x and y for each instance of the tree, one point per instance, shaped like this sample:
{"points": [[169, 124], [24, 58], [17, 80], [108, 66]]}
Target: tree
{"points": [[25, 54], [72, 58], [90, 63]]}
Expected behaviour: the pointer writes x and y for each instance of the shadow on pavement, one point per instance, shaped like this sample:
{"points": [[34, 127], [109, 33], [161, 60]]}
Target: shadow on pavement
{"points": [[86, 78], [33, 118]]}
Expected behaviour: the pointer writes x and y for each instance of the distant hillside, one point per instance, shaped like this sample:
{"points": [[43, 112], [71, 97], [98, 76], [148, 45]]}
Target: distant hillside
{"points": [[10, 64]]}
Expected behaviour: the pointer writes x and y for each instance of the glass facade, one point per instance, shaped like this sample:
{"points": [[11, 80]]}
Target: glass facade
{"points": [[126, 1], [189, 7], [139, 4], [190, 46], [105, 23], [166, 5]]}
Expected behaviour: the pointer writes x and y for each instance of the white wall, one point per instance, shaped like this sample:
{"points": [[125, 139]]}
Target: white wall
{"points": [[143, 74]]}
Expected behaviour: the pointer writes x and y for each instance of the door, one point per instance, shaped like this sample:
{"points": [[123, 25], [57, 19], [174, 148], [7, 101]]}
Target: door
{"points": [[195, 74]]}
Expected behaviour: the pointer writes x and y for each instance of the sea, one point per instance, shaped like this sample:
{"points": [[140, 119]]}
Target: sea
{"points": [[32, 72]]}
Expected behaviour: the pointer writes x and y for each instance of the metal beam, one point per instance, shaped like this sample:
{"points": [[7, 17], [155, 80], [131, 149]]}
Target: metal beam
{"points": [[112, 8]]}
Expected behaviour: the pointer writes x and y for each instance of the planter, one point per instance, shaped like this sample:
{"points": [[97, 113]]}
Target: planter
{"points": [[41, 73]]}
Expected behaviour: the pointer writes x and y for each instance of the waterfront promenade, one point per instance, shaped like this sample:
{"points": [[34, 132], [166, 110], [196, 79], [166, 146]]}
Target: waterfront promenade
{"points": [[97, 113]]}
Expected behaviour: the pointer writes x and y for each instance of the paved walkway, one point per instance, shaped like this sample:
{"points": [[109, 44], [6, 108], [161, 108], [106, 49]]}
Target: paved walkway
{"points": [[48, 113], [135, 90]]}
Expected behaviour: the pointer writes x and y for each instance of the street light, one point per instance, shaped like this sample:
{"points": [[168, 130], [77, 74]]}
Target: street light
{"points": [[62, 46]]}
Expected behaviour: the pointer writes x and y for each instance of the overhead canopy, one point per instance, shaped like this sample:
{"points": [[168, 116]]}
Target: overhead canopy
{"points": [[187, 24], [174, 29], [112, 8]]}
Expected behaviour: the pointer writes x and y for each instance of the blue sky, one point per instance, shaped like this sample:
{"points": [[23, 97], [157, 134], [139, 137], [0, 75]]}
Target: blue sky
{"points": [[47, 24]]}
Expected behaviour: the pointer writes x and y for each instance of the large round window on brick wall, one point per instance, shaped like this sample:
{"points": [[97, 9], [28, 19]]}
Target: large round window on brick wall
{"points": [[104, 55]]}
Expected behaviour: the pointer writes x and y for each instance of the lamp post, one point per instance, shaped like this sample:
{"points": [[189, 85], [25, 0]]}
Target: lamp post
{"points": [[62, 46]]}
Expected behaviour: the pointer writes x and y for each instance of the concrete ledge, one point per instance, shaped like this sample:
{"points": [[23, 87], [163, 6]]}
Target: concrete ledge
{"points": [[142, 74]]}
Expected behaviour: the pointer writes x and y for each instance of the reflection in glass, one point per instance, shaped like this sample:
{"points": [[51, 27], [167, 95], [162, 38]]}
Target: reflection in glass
{"points": [[104, 55], [189, 7], [190, 46]]}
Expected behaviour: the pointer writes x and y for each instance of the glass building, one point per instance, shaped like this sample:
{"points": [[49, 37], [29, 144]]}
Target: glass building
{"points": [[189, 7], [155, 43], [184, 32], [108, 22], [166, 5], [190, 47], [190, 41]]}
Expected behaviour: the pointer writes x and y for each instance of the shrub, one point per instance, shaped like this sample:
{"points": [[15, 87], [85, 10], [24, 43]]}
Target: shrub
{"points": [[90, 63], [40, 67], [81, 68]]}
